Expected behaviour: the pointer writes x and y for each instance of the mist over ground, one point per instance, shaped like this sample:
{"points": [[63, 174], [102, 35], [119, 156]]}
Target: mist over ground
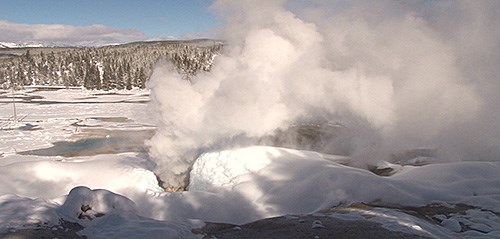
{"points": [[398, 75]]}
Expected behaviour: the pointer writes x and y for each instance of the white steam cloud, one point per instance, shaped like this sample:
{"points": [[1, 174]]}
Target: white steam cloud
{"points": [[398, 74]]}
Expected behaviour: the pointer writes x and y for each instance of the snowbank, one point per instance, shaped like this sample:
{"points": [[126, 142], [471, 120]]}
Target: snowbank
{"points": [[96, 214], [44, 177], [278, 181], [233, 186]]}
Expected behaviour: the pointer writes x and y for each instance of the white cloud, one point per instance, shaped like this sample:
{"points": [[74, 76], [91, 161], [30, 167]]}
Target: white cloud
{"points": [[67, 34]]}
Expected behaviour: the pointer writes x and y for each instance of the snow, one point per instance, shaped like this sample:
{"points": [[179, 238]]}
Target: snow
{"points": [[18, 45], [60, 114], [107, 215], [18, 211], [117, 195], [269, 175], [50, 179], [107, 208]]}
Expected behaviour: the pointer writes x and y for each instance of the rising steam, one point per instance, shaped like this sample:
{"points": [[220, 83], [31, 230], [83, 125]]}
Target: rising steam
{"points": [[398, 74]]}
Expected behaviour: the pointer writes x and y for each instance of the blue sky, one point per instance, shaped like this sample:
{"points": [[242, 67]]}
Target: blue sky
{"points": [[153, 18]]}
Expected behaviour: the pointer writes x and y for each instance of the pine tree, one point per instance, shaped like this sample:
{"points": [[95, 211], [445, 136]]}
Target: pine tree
{"points": [[119, 76], [141, 78], [92, 80], [107, 76], [125, 66]]}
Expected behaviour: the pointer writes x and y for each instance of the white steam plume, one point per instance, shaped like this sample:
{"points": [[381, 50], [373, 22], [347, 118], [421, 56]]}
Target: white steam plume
{"points": [[399, 74]]}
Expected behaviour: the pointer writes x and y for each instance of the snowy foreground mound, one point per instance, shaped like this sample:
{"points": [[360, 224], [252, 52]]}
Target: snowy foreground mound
{"points": [[238, 186], [304, 181]]}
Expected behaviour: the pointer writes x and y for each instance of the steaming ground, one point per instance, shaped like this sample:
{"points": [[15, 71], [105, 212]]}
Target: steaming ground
{"points": [[399, 75]]}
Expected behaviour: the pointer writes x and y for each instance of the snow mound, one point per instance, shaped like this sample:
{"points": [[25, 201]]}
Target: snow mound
{"points": [[83, 203], [125, 174], [276, 181], [98, 214], [19, 211], [105, 214]]}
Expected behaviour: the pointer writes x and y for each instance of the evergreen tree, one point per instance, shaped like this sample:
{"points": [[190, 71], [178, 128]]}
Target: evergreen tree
{"points": [[107, 76], [92, 79], [123, 66], [141, 78], [119, 76]]}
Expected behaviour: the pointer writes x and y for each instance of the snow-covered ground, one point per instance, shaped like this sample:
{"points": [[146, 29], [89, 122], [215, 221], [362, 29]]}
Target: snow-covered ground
{"points": [[64, 114], [114, 193]]}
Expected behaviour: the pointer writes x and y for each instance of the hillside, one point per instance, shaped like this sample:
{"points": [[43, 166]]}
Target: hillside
{"points": [[109, 67]]}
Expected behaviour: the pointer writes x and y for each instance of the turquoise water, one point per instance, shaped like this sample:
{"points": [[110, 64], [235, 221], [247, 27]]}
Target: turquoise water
{"points": [[119, 141]]}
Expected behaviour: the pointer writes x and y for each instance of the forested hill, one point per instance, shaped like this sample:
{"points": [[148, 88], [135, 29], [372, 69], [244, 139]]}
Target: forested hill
{"points": [[109, 67]]}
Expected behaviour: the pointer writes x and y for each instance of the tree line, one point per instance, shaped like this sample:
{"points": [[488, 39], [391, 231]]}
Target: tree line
{"points": [[119, 67]]}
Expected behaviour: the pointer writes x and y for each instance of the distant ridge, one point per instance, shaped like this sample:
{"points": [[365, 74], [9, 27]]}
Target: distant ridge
{"points": [[18, 45], [198, 42], [13, 45]]}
